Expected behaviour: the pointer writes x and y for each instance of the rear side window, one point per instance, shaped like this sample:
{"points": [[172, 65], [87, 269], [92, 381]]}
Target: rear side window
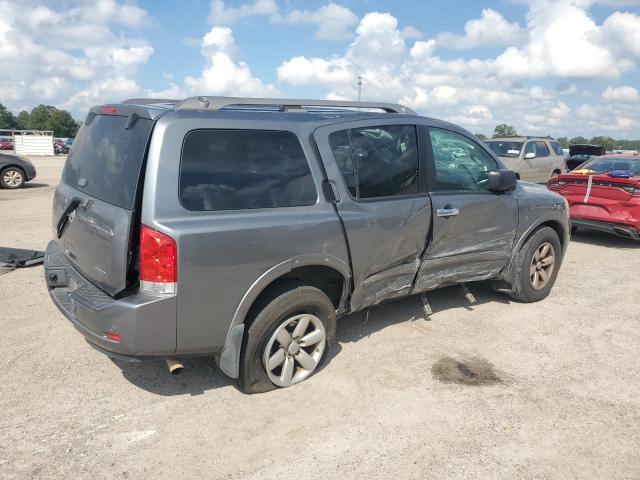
{"points": [[106, 159], [542, 149], [244, 169], [379, 161], [557, 148]]}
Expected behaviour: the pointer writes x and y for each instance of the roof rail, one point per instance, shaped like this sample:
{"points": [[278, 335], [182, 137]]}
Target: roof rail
{"points": [[149, 101], [285, 104]]}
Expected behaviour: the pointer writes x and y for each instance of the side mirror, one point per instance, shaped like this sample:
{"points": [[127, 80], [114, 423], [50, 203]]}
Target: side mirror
{"points": [[529, 155], [502, 180]]}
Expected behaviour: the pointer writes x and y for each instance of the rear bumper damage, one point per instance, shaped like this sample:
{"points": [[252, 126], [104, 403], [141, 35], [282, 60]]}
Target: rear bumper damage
{"points": [[618, 229], [145, 324]]}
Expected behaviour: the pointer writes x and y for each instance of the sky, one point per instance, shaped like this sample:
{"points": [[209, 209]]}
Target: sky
{"points": [[547, 67]]}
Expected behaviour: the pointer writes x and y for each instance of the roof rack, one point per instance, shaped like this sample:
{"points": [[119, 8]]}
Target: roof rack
{"points": [[149, 101], [284, 104]]}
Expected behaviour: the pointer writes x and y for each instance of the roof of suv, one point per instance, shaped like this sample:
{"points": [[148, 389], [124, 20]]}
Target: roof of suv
{"points": [[298, 110], [520, 138]]}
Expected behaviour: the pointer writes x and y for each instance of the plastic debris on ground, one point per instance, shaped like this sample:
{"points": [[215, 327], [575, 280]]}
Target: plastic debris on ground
{"points": [[12, 258]]}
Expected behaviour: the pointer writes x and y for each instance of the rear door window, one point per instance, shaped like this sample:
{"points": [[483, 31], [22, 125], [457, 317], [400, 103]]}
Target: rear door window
{"points": [[378, 161], [557, 148], [542, 149], [106, 159], [244, 169]]}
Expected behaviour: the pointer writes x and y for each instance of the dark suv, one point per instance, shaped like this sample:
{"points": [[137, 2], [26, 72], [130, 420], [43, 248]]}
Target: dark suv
{"points": [[242, 228]]}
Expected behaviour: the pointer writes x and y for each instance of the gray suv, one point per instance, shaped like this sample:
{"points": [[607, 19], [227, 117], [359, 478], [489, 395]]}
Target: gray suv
{"points": [[242, 228]]}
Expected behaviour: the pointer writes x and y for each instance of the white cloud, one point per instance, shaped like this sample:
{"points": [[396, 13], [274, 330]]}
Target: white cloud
{"points": [[621, 94], [223, 75], [490, 30], [67, 55], [332, 21], [222, 14]]}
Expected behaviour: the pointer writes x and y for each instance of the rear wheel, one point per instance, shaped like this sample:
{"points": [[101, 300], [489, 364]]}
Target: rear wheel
{"points": [[288, 340], [537, 266], [12, 177]]}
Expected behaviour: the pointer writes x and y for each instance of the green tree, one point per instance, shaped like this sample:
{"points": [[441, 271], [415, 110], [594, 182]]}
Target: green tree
{"points": [[564, 141], [504, 130], [7, 119], [22, 120], [480, 136], [606, 142], [578, 140], [47, 117]]}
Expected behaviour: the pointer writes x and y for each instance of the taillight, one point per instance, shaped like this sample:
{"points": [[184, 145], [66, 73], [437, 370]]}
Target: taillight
{"points": [[158, 262], [109, 110]]}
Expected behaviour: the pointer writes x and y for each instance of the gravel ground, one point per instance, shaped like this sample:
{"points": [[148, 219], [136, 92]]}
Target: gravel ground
{"points": [[554, 391]]}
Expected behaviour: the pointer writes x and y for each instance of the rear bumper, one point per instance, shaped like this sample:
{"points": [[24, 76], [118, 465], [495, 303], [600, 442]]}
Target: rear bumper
{"points": [[146, 324], [614, 228]]}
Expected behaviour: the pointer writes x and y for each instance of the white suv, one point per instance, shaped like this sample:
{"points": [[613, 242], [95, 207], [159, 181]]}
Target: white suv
{"points": [[535, 159]]}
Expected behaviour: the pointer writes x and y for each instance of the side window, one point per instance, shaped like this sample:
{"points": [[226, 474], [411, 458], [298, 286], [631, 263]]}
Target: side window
{"points": [[460, 163], [557, 148], [380, 161], [530, 148], [543, 150], [244, 169]]}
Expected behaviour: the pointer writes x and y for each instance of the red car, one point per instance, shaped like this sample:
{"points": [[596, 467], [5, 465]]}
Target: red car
{"points": [[6, 144], [603, 194]]}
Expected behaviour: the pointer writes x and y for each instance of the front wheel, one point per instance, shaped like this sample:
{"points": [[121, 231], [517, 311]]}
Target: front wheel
{"points": [[288, 340], [537, 264]]}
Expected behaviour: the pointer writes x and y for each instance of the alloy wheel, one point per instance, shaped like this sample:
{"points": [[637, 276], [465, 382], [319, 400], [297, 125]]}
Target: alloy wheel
{"points": [[294, 350], [542, 265], [12, 178]]}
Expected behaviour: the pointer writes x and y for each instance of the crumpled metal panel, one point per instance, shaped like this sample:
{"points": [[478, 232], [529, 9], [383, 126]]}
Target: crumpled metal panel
{"points": [[390, 283]]}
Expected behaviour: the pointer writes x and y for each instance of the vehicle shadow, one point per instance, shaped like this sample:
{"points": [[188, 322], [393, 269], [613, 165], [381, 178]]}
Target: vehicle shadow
{"points": [[201, 373], [357, 326], [603, 239], [34, 185]]}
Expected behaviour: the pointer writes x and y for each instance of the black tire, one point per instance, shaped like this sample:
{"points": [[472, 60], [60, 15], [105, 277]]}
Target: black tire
{"points": [[523, 290], [574, 230], [282, 304], [16, 171]]}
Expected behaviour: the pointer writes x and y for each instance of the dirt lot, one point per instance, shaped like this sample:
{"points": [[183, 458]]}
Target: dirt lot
{"points": [[491, 390]]}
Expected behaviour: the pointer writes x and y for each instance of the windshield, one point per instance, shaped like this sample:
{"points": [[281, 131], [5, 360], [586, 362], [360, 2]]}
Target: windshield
{"points": [[506, 148], [613, 163], [106, 158]]}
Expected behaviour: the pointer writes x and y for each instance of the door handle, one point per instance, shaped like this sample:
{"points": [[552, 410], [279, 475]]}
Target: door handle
{"points": [[447, 212]]}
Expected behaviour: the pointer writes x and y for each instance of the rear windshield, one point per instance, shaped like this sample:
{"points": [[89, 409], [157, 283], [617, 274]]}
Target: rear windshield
{"points": [[603, 165], [106, 158]]}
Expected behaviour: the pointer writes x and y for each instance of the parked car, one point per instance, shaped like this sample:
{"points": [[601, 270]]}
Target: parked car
{"points": [[60, 148], [534, 159], [604, 194], [6, 144], [15, 171], [580, 153], [248, 225]]}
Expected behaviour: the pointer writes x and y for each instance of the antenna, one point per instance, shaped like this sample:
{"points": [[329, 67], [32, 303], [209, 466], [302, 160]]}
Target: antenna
{"points": [[359, 87]]}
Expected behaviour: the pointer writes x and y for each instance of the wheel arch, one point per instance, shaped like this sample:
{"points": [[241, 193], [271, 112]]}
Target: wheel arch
{"points": [[330, 274], [547, 221]]}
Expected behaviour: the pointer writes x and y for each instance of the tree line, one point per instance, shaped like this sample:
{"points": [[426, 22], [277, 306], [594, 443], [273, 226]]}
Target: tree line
{"points": [[42, 117], [504, 130]]}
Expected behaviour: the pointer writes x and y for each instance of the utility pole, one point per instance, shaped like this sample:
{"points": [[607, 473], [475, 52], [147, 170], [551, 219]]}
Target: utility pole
{"points": [[359, 87]]}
